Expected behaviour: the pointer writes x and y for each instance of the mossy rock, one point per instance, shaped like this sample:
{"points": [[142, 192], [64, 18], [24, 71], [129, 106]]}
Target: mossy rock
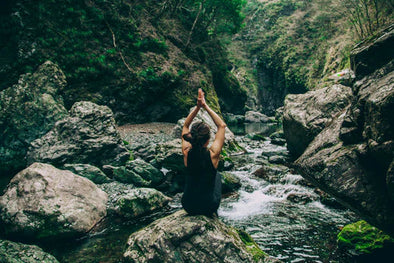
{"points": [[230, 183], [363, 238], [251, 245], [13, 252]]}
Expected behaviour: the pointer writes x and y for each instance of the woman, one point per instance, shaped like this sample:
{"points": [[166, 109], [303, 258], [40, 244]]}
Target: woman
{"points": [[203, 187]]}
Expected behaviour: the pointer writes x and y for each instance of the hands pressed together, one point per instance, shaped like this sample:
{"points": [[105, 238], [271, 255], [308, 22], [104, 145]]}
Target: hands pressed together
{"points": [[201, 99]]}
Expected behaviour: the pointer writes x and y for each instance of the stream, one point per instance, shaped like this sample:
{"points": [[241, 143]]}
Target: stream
{"points": [[281, 212], [290, 231]]}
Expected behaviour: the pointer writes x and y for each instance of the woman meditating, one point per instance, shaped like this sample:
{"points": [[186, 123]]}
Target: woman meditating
{"points": [[203, 185]]}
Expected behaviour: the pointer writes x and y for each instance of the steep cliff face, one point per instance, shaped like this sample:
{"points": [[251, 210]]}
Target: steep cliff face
{"points": [[352, 154], [137, 57]]}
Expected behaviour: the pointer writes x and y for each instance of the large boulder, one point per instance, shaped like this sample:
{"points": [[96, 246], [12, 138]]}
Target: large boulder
{"points": [[183, 238], [28, 110], [306, 115], [13, 252], [42, 201], [88, 136]]}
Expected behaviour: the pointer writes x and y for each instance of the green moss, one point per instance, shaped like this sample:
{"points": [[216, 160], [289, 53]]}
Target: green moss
{"points": [[131, 158], [363, 237], [251, 245], [233, 147]]}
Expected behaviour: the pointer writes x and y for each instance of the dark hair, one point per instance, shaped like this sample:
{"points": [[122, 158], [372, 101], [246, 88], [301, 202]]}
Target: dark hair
{"points": [[199, 134]]}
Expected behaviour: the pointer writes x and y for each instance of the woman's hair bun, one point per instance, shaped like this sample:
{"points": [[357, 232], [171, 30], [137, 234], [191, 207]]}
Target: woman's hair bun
{"points": [[198, 134], [188, 137]]}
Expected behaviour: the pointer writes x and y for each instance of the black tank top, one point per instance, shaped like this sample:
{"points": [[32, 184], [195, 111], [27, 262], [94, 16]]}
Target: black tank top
{"points": [[202, 191]]}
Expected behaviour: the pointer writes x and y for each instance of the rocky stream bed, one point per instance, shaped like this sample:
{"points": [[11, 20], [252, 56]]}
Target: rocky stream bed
{"points": [[278, 208]]}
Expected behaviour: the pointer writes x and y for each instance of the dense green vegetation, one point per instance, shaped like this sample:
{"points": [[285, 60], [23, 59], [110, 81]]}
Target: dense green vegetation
{"points": [[141, 58], [295, 44]]}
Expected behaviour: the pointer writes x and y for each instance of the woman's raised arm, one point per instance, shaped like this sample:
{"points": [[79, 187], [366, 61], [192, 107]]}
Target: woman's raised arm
{"points": [[218, 143]]}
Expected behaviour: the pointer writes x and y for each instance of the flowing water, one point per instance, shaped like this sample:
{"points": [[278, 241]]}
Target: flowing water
{"points": [[291, 231], [303, 231]]}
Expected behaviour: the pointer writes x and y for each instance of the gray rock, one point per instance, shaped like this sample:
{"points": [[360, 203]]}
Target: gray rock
{"points": [[278, 141], [376, 101], [139, 173], [169, 155], [372, 54], [340, 171], [277, 135], [277, 151], [271, 173], [88, 136], [183, 238], [42, 201], [115, 190], [300, 198], [13, 252], [174, 183], [306, 115], [351, 157], [28, 110], [253, 116], [232, 119], [230, 183], [139, 202], [276, 159], [91, 172]]}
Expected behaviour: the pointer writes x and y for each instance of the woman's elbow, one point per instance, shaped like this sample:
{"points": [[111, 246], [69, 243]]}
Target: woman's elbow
{"points": [[222, 125]]}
